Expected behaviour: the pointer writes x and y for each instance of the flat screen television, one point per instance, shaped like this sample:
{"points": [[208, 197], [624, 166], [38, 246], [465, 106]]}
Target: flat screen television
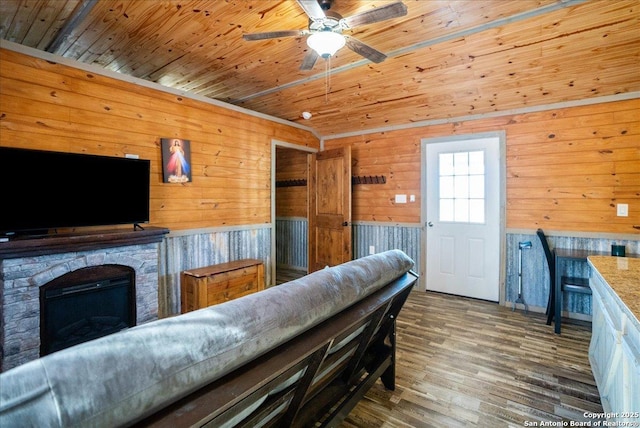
{"points": [[44, 190]]}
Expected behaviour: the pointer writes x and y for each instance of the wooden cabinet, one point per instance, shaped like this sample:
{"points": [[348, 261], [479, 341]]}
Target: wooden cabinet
{"points": [[614, 351], [219, 283]]}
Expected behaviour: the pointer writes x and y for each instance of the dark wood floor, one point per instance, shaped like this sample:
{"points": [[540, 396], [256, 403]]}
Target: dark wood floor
{"points": [[284, 275], [463, 362]]}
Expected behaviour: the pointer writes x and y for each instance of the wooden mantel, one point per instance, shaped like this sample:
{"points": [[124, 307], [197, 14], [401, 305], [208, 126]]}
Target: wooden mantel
{"points": [[83, 241]]}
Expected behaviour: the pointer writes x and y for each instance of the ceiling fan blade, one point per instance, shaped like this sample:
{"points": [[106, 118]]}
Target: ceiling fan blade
{"points": [[309, 60], [275, 34], [365, 50], [312, 8], [378, 14]]}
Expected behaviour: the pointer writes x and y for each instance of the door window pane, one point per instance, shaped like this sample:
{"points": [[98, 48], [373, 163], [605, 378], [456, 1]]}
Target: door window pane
{"points": [[446, 164], [446, 188], [461, 163], [461, 186], [476, 162], [461, 176], [446, 210], [476, 186]]}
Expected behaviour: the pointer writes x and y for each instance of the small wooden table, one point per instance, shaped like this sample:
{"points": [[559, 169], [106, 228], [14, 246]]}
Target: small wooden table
{"points": [[219, 283]]}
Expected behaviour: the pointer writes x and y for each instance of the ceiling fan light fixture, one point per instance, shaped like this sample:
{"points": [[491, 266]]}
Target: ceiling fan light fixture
{"points": [[326, 43]]}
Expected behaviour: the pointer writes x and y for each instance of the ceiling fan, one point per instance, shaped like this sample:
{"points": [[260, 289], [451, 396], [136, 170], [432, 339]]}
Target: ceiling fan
{"points": [[326, 27]]}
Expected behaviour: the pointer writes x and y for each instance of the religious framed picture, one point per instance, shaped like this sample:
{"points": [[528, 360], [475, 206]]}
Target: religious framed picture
{"points": [[176, 160]]}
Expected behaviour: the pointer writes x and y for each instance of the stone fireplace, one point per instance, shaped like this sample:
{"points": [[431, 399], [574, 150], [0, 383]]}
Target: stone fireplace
{"points": [[86, 304], [25, 267]]}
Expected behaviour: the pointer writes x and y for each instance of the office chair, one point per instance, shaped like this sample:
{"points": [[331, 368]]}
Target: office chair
{"points": [[567, 283]]}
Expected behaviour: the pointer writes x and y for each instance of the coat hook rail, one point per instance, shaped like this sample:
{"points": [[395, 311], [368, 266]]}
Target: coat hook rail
{"points": [[360, 179], [369, 179], [291, 183]]}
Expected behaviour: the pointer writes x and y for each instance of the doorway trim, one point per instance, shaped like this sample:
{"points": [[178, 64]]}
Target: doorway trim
{"points": [[274, 145], [501, 136]]}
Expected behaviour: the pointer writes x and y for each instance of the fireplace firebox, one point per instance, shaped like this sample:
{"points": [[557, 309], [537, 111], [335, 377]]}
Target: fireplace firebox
{"points": [[86, 304]]}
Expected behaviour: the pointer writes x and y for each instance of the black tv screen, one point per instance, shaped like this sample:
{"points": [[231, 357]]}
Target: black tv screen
{"points": [[43, 190]]}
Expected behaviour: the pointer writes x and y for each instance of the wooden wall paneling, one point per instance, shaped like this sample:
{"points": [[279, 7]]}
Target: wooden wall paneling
{"points": [[299, 136], [107, 90], [554, 166], [551, 146], [630, 166], [291, 202], [595, 179], [576, 157], [123, 107], [291, 164], [55, 107], [566, 169], [395, 159]]}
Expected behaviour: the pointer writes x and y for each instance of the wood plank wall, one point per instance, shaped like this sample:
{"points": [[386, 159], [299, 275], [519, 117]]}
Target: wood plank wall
{"points": [[566, 169], [291, 166], [55, 107]]}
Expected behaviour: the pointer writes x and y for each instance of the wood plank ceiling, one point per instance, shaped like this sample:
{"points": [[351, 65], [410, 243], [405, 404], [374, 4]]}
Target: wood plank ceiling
{"points": [[446, 59]]}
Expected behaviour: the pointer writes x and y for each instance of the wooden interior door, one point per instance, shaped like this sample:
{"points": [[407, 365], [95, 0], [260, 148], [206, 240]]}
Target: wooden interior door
{"points": [[329, 208]]}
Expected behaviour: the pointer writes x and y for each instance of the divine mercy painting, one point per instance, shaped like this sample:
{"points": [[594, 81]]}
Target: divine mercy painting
{"points": [[176, 160]]}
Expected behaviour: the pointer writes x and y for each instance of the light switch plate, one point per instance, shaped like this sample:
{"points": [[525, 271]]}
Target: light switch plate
{"points": [[623, 210], [401, 199]]}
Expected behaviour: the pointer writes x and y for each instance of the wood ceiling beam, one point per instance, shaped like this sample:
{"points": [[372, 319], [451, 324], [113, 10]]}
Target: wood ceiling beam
{"points": [[79, 13]]}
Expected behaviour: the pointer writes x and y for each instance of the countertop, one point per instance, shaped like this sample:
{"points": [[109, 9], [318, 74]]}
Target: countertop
{"points": [[623, 276]]}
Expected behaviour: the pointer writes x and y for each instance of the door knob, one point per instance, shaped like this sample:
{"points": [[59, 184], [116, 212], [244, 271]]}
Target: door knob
{"points": [[345, 224], [430, 224]]}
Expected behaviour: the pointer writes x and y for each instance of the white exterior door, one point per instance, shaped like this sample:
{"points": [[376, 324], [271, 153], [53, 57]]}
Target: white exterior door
{"points": [[463, 217]]}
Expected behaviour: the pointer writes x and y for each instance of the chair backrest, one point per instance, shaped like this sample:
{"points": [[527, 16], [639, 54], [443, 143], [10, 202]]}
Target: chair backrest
{"points": [[548, 255]]}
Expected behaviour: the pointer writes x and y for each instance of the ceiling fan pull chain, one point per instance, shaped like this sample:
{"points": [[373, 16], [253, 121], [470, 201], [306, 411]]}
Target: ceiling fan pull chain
{"points": [[327, 79]]}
